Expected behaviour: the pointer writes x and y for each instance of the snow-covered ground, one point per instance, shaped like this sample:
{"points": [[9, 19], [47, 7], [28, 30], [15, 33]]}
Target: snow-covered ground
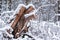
{"points": [[45, 27]]}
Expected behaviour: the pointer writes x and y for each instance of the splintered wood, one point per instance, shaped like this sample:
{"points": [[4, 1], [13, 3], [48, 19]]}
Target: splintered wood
{"points": [[20, 23]]}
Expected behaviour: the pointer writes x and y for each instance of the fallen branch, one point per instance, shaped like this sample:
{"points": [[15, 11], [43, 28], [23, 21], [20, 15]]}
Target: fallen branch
{"points": [[22, 22], [21, 12], [19, 25]]}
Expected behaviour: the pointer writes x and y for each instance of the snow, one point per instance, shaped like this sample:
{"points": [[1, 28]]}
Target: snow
{"points": [[43, 30], [31, 13]]}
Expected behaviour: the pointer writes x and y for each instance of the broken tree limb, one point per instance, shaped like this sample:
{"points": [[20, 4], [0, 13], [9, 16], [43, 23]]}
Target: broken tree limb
{"points": [[21, 25], [20, 21], [17, 17], [21, 12]]}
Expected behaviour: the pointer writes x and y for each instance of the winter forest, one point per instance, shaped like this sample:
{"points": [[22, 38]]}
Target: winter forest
{"points": [[29, 19]]}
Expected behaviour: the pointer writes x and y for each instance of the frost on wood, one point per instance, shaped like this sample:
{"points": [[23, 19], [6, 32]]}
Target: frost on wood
{"points": [[45, 27]]}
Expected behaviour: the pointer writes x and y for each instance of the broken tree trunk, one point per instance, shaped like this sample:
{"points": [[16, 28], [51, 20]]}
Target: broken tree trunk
{"points": [[20, 21], [21, 12]]}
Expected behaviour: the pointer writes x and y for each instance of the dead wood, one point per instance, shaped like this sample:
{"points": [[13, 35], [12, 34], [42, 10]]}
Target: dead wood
{"points": [[19, 25], [21, 12]]}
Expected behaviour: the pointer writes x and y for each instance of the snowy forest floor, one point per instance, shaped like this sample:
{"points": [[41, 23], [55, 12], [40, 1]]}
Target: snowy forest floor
{"points": [[45, 27]]}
